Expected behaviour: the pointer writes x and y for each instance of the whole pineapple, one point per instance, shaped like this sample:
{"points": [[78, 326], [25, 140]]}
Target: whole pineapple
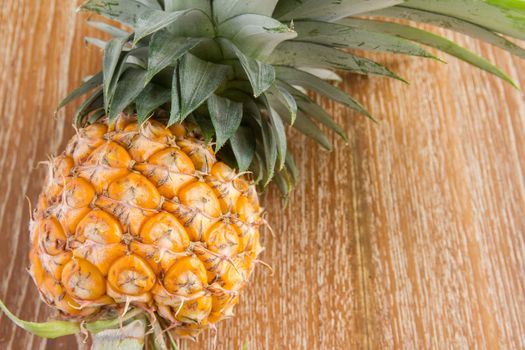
{"points": [[144, 215], [151, 214]]}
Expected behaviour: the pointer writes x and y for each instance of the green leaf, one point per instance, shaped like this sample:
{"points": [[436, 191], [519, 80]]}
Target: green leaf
{"points": [[95, 101], [194, 24], [336, 35], [154, 4], [198, 80], [270, 152], [325, 74], [260, 74], [165, 50], [144, 19], [307, 127], [158, 336], [96, 115], [226, 116], [153, 20], [309, 107], [243, 147], [173, 344], [284, 184], [294, 76], [209, 50], [112, 54], [108, 28], [175, 96], [128, 89], [430, 39], [318, 113], [130, 58], [255, 35], [177, 5], [125, 11], [299, 54], [505, 17], [152, 97], [292, 168], [257, 167], [51, 329], [253, 110], [90, 84], [452, 23], [206, 126], [225, 9], [129, 337], [328, 10], [286, 98], [101, 44], [98, 326], [279, 132]]}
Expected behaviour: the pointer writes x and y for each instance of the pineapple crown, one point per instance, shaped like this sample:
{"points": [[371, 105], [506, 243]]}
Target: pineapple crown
{"points": [[241, 70]]}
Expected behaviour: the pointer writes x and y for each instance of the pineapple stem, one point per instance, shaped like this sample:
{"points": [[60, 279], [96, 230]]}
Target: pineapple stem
{"points": [[128, 337]]}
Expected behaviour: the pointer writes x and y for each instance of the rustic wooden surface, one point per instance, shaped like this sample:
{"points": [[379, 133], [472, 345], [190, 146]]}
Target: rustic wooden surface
{"points": [[410, 237]]}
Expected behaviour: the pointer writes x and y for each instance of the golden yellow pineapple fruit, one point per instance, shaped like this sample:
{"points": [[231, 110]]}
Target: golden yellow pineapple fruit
{"points": [[144, 216]]}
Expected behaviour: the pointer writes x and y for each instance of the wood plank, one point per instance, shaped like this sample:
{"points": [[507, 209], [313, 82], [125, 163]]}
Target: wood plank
{"points": [[412, 236]]}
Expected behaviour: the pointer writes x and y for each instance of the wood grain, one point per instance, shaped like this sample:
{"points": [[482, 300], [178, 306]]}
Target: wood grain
{"points": [[410, 237]]}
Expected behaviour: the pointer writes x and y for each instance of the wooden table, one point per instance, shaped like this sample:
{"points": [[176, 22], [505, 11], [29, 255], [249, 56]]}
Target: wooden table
{"points": [[410, 237]]}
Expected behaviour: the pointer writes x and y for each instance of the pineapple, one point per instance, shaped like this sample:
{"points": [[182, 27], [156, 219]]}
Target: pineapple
{"points": [[144, 215], [150, 217]]}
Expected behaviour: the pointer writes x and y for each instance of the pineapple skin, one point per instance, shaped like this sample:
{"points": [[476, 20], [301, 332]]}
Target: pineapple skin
{"points": [[148, 217]]}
